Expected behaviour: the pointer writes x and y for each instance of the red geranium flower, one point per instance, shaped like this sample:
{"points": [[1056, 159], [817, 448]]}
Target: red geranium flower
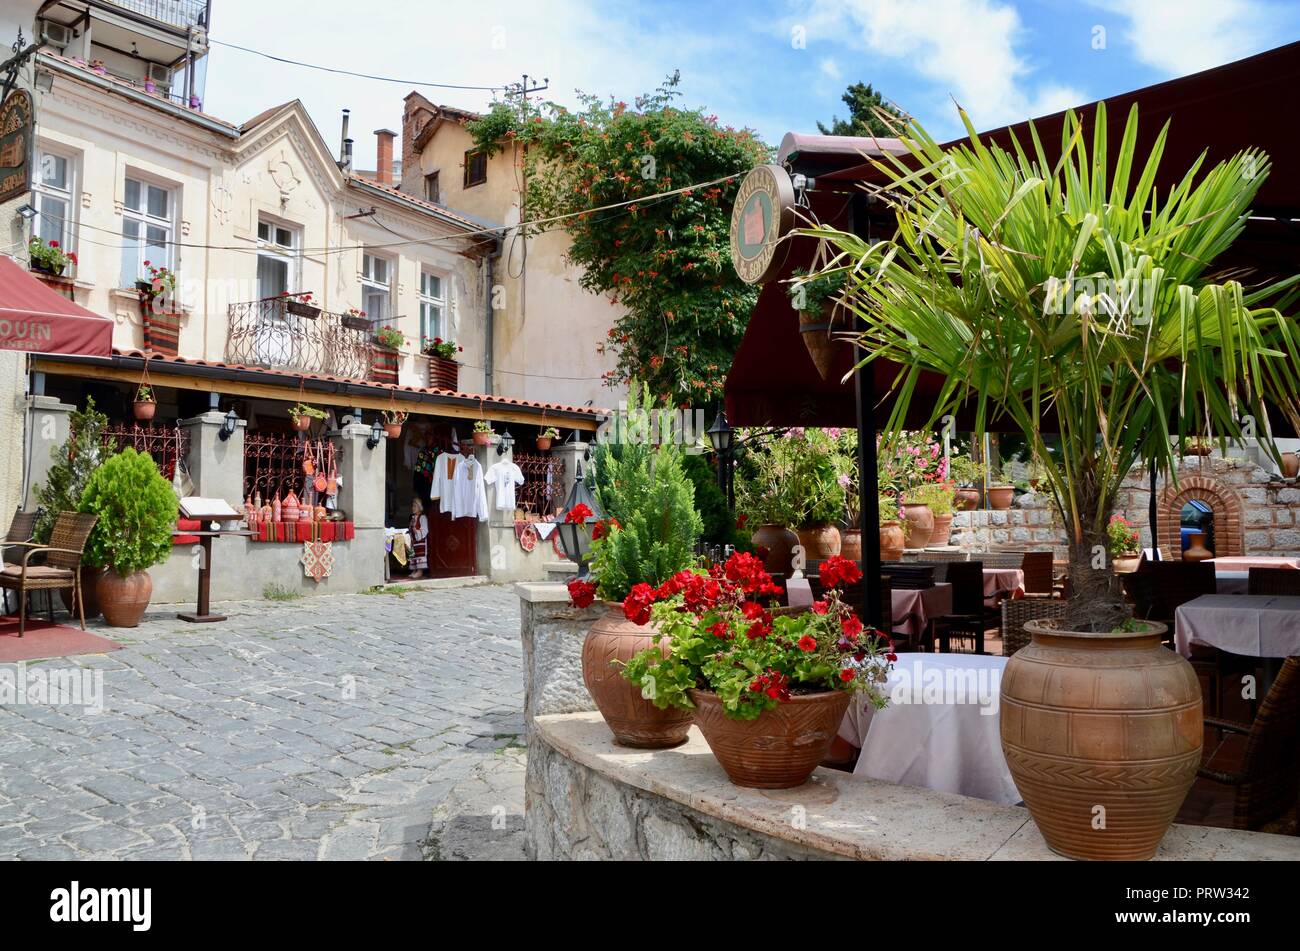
{"points": [[579, 513], [636, 606], [820, 607], [581, 592], [54, 244], [837, 571], [807, 643], [846, 674], [603, 527], [852, 625]]}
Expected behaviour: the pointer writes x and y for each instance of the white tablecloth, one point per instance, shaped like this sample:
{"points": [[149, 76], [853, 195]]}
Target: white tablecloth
{"points": [[940, 730], [1254, 626], [1246, 562]]}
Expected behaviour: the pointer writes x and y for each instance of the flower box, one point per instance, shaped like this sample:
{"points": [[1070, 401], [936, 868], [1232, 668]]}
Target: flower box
{"points": [[301, 309], [355, 323], [444, 374], [384, 363]]}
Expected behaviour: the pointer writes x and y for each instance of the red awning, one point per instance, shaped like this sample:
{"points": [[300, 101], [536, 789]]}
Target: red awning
{"points": [[40, 320]]}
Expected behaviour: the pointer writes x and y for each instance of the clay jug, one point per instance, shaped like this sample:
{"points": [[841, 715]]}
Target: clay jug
{"points": [[920, 524], [819, 542], [776, 544], [892, 541]]}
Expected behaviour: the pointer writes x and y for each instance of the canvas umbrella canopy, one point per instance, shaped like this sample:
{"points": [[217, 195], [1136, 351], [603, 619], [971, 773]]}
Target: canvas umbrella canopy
{"points": [[37, 319]]}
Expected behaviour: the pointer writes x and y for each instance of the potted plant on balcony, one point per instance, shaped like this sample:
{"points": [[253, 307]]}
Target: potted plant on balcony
{"points": [[300, 305], [145, 405], [545, 438], [768, 688], [303, 414], [388, 341], [483, 433], [444, 370], [393, 421], [1122, 542], [355, 319], [939, 498], [48, 258], [137, 512], [162, 315], [969, 476], [996, 263], [646, 536]]}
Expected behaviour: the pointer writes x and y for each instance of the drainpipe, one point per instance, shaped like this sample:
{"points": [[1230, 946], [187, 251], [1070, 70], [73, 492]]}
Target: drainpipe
{"points": [[489, 338]]}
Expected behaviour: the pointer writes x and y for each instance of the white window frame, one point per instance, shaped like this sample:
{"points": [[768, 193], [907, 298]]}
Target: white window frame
{"points": [[67, 229], [290, 254], [369, 282], [429, 301], [146, 220]]}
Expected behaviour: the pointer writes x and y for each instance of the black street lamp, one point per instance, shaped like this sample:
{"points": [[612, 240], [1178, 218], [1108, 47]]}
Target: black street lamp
{"points": [[505, 443], [575, 536], [229, 425], [723, 439]]}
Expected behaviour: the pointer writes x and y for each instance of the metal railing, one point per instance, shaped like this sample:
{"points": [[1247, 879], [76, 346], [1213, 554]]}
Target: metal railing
{"points": [[181, 13], [543, 488], [166, 444], [274, 466], [269, 333]]}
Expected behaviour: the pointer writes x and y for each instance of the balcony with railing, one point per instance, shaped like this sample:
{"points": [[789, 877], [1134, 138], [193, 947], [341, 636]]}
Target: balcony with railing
{"points": [[287, 334], [178, 13]]}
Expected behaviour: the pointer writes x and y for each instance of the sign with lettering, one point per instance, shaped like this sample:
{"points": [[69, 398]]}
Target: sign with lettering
{"points": [[15, 144], [762, 216]]}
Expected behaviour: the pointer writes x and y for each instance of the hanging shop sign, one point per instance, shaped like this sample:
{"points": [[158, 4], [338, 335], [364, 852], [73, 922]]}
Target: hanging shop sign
{"points": [[15, 144], [762, 216]]}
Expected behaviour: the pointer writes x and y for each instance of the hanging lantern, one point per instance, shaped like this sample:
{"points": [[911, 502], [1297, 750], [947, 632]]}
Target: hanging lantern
{"points": [[575, 535]]}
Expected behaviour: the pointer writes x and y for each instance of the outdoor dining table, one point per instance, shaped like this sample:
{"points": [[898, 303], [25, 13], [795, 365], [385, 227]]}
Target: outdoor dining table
{"points": [[1008, 581], [940, 730], [1251, 625], [1246, 562], [915, 605], [1232, 582]]}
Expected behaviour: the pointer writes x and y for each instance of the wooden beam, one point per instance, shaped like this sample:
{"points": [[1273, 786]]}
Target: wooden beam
{"points": [[266, 391]]}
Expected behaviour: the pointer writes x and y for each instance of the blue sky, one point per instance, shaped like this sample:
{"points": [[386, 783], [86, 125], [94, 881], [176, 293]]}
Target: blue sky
{"points": [[773, 65]]}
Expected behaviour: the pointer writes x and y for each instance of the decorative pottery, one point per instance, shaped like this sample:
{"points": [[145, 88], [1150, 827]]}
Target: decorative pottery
{"points": [[1290, 465], [302, 423], [543, 443], [123, 600], [1101, 721], [892, 541], [483, 439], [776, 545], [819, 542], [1000, 497], [942, 534], [920, 524], [89, 593], [1196, 550], [393, 430], [780, 748], [967, 500], [1126, 563], [144, 410], [633, 720], [851, 544]]}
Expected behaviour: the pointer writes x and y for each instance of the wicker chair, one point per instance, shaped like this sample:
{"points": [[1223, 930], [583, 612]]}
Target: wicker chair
{"points": [[20, 532], [1003, 559], [1038, 567], [1269, 776], [61, 568], [1016, 612], [1279, 582]]}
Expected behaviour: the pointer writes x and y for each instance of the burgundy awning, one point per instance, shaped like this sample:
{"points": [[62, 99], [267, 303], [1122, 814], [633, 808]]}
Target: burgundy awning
{"points": [[37, 319]]}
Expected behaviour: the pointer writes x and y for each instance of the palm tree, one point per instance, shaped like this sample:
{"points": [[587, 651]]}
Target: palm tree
{"points": [[1073, 293]]}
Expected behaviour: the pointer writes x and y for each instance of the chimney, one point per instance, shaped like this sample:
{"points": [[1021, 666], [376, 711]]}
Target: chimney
{"points": [[345, 144], [384, 155]]}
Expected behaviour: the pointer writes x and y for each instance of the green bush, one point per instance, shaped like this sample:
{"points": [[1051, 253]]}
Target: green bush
{"points": [[137, 513], [72, 463], [719, 521]]}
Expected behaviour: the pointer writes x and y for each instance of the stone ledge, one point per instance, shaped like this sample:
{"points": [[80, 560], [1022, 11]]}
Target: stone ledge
{"points": [[541, 592], [843, 816]]}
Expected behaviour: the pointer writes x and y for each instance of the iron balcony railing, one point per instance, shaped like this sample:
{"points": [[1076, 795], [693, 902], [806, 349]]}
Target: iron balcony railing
{"points": [[282, 334], [179, 13]]}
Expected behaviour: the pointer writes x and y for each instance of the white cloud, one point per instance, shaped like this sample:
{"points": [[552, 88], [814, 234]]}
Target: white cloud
{"points": [[829, 68], [970, 51], [1178, 37]]}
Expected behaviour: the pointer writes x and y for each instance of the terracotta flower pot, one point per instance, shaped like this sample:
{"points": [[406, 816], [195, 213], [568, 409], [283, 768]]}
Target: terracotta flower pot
{"points": [[144, 410], [1001, 496], [123, 600], [920, 524], [301, 423], [1101, 721], [780, 748], [968, 499], [892, 541], [89, 593], [1290, 465], [393, 430], [776, 545], [1125, 564], [543, 443], [851, 544], [819, 542], [1196, 550], [633, 720], [483, 439], [942, 534]]}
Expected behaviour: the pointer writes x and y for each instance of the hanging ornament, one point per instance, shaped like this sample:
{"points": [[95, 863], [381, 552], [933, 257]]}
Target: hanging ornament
{"points": [[317, 560]]}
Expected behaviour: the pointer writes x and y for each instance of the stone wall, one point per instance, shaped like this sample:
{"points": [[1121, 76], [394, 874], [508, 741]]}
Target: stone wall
{"points": [[553, 631]]}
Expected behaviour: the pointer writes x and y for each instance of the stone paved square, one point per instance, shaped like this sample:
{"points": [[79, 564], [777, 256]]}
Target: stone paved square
{"points": [[367, 726]]}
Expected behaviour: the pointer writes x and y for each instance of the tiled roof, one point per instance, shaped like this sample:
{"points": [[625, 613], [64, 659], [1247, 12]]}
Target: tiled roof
{"points": [[292, 378], [475, 224]]}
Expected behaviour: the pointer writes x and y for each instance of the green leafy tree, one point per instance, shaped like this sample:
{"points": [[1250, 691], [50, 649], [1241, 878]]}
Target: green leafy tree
{"points": [[666, 260], [137, 512], [870, 114], [711, 502], [72, 464]]}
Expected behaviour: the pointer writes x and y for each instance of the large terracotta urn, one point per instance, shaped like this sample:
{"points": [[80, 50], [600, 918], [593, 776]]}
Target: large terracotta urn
{"points": [[819, 542], [634, 720], [942, 534], [123, 600], [89, 593], [1196, 550], [851, 544], [1001, 497], [781, 747], [920, 524], [1290, 465], [892, 541], [1102, 733], [967, 499], [775, 544]]}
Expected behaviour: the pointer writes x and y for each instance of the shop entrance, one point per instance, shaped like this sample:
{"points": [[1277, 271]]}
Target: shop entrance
{"points": [[452, 546]]}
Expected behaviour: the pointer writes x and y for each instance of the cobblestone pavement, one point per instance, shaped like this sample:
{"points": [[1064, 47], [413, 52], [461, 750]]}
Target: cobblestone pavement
{"points": [[350, 727]]}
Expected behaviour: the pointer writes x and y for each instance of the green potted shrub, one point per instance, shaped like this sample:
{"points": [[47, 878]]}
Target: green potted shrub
{"points": [[302, 415], [137, 513], [758, 679], [1122, 540], [893, 529], [940, 499], [763, 502], [969, 476]]}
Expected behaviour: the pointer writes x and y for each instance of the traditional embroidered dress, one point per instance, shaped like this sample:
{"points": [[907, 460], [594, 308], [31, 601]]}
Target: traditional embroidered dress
{"points": [[419, 542]]}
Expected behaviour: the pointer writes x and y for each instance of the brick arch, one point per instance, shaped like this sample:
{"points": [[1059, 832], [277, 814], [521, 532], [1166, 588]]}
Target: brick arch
{"points": [[1222, 498]]}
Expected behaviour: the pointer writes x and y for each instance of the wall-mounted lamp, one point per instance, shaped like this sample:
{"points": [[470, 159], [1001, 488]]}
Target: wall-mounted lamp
{"points": [[26, 212], [376, 434], [505, 443], [229, 425]]}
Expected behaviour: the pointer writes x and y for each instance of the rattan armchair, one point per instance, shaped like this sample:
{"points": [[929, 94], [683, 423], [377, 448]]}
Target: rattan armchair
{"points": [[1038, 566], [20, 532], [53, 566], [1269, 777], [1279, 582]]}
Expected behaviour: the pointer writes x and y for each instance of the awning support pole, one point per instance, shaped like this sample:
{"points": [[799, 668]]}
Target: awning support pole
{"points": [[1153, 514], [869, 501]]}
